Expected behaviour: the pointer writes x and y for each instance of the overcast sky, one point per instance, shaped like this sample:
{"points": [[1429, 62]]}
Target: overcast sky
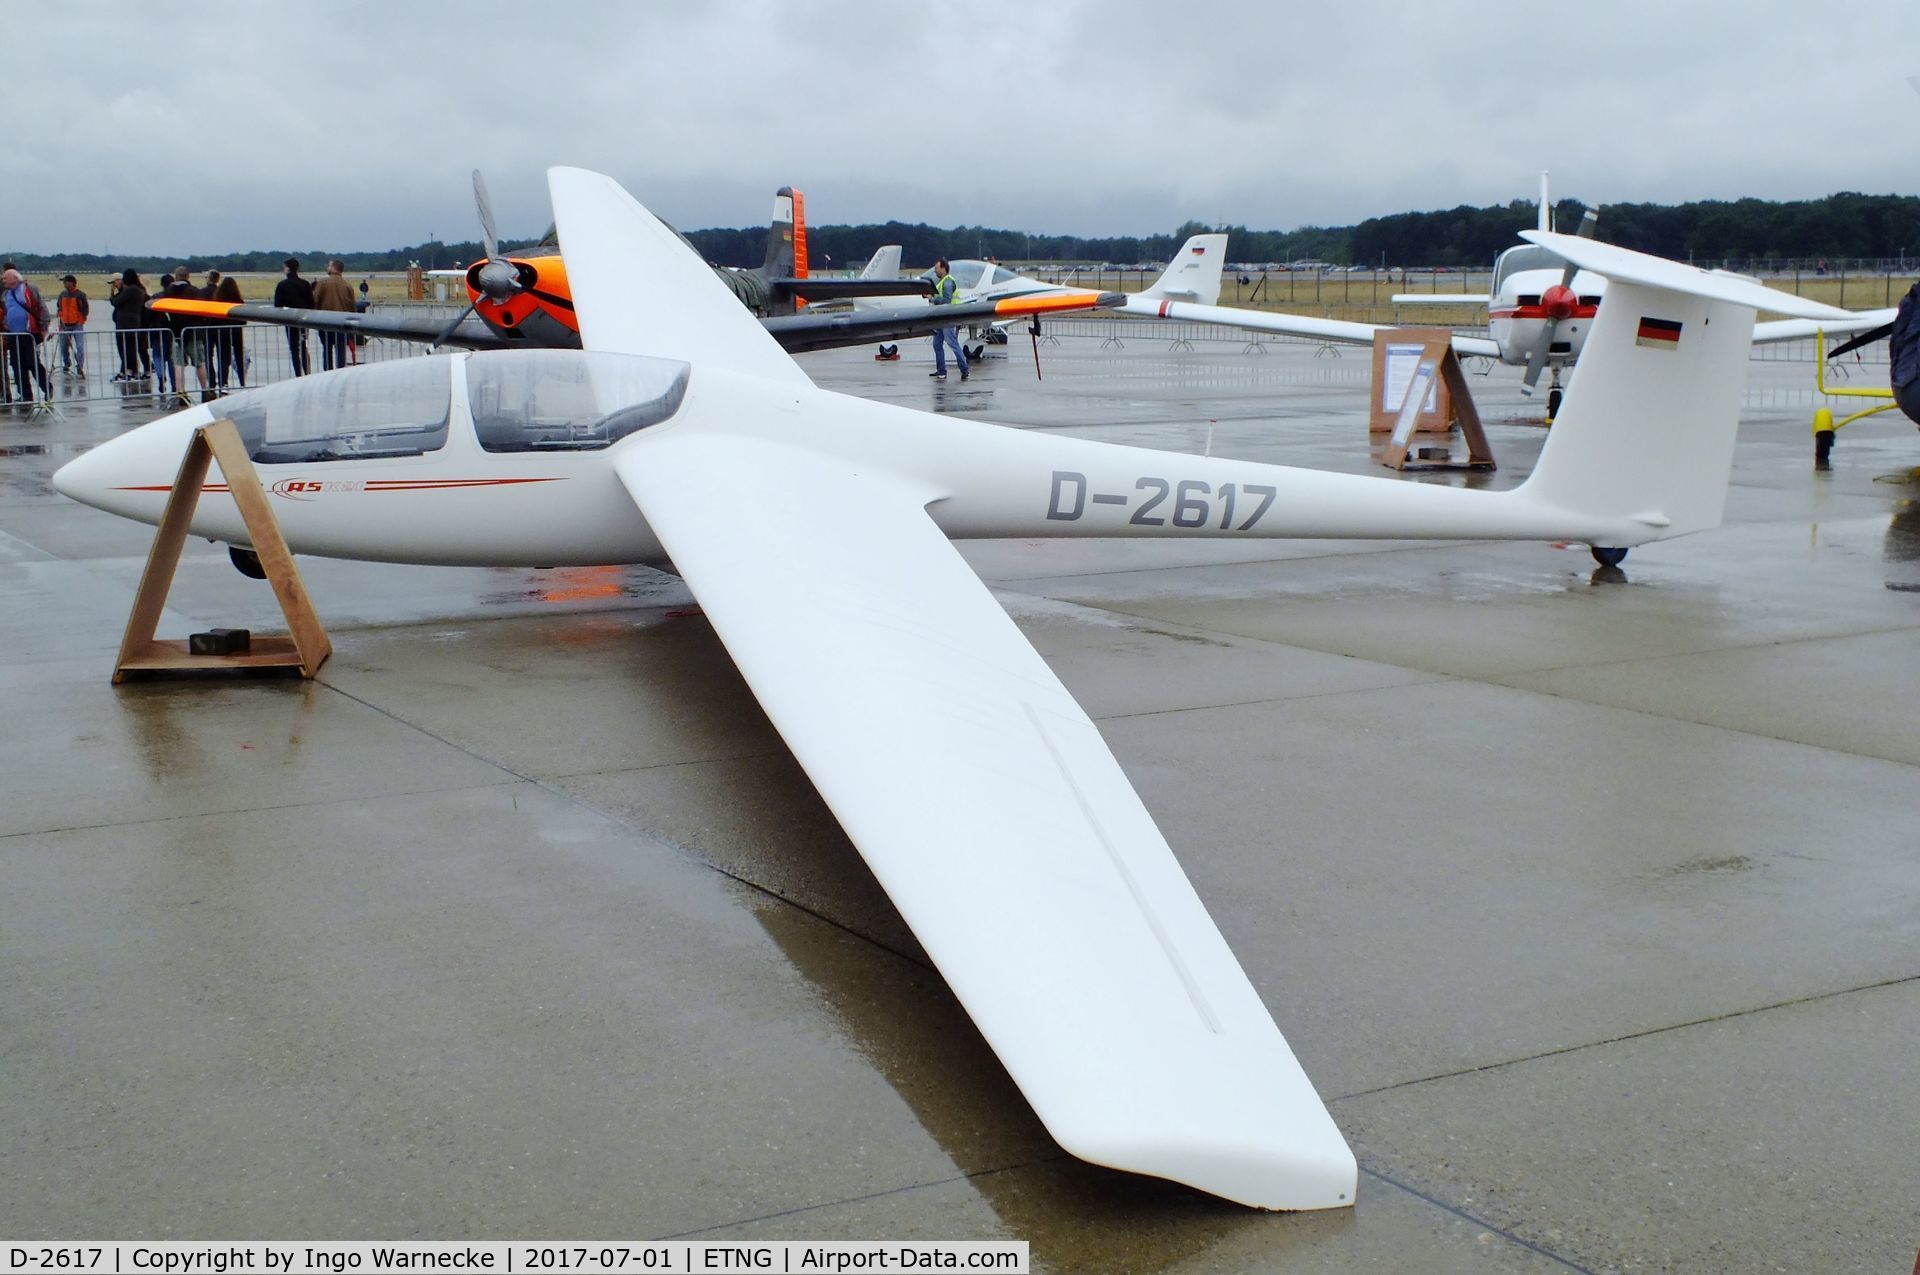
{"points": [[195, 126]]}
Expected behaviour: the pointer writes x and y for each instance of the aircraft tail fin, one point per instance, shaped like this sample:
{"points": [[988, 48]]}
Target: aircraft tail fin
{"points": [[787, 236], [1194, 273], [884, 264], [1645, 438]]}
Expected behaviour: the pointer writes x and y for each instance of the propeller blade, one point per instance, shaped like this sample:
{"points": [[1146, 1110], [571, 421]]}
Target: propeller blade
{"points": [[1537, 359], [1865, 338], [1589, 222], [489, 239], [447, 331]]}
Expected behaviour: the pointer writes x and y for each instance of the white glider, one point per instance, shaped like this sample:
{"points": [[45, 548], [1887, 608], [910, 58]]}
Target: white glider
{"points": [[814, 530]]}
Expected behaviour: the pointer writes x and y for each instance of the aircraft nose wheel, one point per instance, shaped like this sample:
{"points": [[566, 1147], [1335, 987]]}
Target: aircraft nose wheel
{"points": [[1608, 557], [1554, 397]]}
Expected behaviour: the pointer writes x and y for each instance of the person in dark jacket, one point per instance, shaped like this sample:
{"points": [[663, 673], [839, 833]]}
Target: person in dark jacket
{"points": [[129, 324], [297, 293], [171, 328], [229, 348]]}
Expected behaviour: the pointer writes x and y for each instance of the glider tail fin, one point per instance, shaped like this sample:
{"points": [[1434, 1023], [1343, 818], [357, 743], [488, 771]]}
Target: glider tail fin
{"points": [[1645, 439], [1194, 273], [884, 264]]}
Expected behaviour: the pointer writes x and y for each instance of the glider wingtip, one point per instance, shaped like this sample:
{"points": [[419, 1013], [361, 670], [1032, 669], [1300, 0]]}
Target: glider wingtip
{"points": [[1312, 1173]]}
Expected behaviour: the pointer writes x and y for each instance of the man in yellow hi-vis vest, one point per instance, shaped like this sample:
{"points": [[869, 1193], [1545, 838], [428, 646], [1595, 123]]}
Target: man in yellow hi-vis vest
{"points": [[946, 292]]}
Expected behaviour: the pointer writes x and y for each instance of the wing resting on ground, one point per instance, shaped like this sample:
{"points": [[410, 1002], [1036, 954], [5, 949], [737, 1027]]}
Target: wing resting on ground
{"points": [[472, 334], [993, 814]]}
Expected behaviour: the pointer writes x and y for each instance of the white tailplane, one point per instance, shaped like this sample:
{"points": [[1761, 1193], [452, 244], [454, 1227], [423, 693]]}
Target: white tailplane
{"points": [[1193, 276], [1648, 428]]}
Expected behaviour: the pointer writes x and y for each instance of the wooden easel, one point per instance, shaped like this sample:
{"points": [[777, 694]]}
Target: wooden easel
{"points": [[1420, 397], [307, 647]]}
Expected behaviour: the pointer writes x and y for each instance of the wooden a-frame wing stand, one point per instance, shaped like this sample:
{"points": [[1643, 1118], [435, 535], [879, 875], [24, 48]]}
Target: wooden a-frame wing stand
{"points": [[306, 647]]}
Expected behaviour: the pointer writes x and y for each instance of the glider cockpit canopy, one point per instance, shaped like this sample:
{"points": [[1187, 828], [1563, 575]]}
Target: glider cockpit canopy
{"points": [[518, 400]]}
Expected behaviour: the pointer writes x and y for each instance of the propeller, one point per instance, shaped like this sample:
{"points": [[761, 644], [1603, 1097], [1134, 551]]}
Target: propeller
{"points": [[1559, 301], [496, 279]]}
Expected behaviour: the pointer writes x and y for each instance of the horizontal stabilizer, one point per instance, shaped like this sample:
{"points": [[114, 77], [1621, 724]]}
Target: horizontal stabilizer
{"points": [[1623, 265]]}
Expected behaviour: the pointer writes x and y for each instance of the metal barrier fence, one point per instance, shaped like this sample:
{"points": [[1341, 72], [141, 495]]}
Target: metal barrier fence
{"points": [[202, 361]]}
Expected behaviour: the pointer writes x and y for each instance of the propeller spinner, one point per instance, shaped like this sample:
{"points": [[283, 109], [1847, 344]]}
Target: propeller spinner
{"points": [[495, 279]]}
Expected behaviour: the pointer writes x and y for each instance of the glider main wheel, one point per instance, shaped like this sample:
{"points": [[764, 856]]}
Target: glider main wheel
{"points": [[246, 562], [1554, 398], [1609, 557], [1823, 449]]}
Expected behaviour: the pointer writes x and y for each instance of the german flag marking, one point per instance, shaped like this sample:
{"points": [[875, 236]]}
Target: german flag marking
{"points": [[1658, 334]]}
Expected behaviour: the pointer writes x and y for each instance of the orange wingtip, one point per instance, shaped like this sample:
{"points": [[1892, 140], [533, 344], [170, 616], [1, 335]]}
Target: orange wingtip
{"points": [[185, 305], [1043, 302]]}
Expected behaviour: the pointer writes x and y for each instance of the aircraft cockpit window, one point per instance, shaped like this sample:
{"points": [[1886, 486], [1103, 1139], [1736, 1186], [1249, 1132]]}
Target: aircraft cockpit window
{"points": [[1002, 275], [376, 412], [1526, 257], [967, 273], [568, 400]]}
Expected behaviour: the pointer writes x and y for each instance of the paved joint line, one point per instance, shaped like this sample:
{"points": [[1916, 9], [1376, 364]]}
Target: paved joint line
{"points": [[1724, 650], [552, 789], [671, 765], [1627, 1036], [1481, 1222], [358, 798], [1425, 679], [861, 1199]]}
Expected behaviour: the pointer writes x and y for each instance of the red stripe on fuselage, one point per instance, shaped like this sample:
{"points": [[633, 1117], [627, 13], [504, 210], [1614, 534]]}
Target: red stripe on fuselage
{"points": [[1540, 312]]}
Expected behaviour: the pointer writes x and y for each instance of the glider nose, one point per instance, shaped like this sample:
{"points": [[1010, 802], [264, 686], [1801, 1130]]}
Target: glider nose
{"points": [[132, 474], [85, 477]]}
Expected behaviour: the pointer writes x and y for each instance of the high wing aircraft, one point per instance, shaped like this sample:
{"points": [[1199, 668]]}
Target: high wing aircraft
{"points": [[814, 530], [523, 299]]}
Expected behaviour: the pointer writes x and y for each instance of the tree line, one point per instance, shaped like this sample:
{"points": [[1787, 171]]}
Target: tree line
{"points": [[1841, 226]]}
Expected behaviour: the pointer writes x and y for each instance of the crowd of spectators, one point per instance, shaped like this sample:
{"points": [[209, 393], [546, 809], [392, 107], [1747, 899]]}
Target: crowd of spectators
{"points": [[154, 347]]}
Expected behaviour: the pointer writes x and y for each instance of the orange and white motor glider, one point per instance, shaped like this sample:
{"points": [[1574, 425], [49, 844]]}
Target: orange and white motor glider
{"points": [[814, 529]]}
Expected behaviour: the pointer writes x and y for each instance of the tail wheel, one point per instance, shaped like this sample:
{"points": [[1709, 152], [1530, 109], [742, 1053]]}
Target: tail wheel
{"points": [[1609, 557]]}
